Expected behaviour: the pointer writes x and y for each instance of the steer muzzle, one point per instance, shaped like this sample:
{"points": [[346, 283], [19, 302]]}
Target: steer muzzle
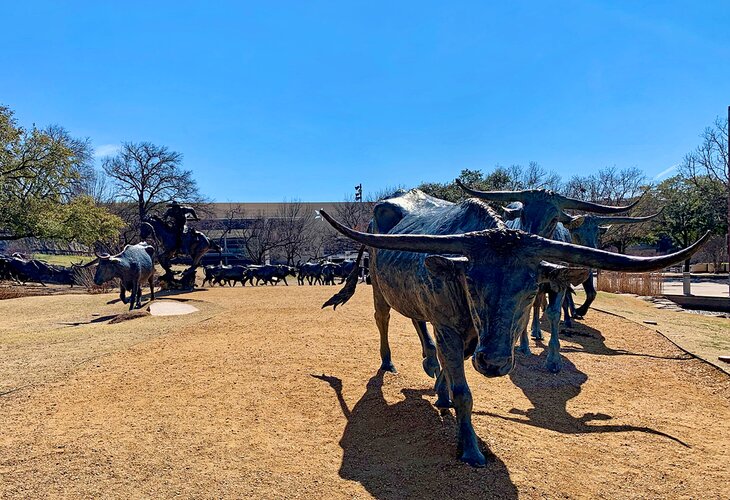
{"points": [[492, 366]]}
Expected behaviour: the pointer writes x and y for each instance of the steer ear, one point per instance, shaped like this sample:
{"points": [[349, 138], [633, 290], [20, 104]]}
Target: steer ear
{"points": [[445, 266], [575, 222], [512, 213], [560, 275]]}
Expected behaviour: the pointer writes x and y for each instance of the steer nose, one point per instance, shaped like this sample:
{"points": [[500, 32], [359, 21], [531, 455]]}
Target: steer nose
{"points": [[492, 366]]}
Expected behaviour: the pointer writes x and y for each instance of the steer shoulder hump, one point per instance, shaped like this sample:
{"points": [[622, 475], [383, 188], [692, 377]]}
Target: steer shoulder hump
{"points": [[389, 212]]}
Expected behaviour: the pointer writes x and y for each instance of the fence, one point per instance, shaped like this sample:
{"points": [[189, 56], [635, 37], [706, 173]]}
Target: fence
{"points": [[648, 284]]}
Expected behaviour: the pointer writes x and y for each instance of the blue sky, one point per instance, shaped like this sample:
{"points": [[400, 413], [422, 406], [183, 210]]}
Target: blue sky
{"points": [[277, 100]]}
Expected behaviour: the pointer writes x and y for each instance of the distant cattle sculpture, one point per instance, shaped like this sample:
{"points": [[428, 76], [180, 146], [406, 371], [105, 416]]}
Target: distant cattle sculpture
{"points": [[133, 266], [458, 267], [270, 274], [586, 230], [542, 212], [22, 270]]}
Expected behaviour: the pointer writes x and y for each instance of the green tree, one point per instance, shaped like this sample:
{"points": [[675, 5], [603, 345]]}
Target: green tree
{"points": [[691, 207], [501, 178], [41, 171]]}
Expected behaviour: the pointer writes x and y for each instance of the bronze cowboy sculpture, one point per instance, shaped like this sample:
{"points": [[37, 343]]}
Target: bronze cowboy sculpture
{"points": [[179, 215], [177, 239]]}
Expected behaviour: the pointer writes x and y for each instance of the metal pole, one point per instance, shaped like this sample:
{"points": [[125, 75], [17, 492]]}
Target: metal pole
{"points": [[727, 174]]}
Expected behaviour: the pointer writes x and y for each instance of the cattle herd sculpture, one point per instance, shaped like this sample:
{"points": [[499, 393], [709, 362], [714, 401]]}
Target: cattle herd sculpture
{"points": [[475, 278], [474, 275]]}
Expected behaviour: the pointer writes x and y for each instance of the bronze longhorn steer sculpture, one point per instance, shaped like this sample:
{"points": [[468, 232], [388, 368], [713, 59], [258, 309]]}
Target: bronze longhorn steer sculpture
{"points": [[542, 212], [133, 266], [587, 230], [476, 288]]}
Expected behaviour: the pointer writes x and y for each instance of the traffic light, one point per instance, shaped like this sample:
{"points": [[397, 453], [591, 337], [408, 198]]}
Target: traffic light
{"points": [[358, 192]]}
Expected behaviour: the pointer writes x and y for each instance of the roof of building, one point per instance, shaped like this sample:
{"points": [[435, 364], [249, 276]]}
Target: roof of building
{"points": [[266, 209]]}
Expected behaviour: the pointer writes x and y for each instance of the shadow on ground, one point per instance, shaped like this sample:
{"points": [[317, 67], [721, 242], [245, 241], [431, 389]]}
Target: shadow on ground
{"points": [[549, 394], [408, 450], [592, 341]]}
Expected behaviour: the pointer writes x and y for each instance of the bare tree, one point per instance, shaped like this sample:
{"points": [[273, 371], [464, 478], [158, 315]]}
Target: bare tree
{"points": [[609, 185], [293, 229], [710, 160], [148, 176], [261, 238]]}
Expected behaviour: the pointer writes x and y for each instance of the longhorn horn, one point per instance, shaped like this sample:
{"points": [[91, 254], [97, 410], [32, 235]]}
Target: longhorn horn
{"points": [[626, 220], [567, 203], [499, 196], [551, 250], [102, 256], [424, 243]]}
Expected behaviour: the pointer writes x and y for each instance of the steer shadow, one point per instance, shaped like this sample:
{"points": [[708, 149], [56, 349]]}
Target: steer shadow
{"points": [[549, 394], [592, 341], [407, 450]]}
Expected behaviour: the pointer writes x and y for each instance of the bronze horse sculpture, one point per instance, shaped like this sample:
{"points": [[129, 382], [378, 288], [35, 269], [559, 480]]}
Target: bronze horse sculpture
{"points": [[193, 243]]}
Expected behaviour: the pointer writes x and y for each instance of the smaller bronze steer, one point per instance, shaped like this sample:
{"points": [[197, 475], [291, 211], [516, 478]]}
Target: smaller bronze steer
{"points": [[132, 266]]}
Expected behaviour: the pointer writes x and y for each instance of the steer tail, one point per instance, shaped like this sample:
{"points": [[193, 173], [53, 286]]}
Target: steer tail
{"points": [[349, 289]]}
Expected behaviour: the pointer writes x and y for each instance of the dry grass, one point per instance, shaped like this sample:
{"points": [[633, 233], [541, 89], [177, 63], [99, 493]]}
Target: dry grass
{"points": [[84, 276], [646, 284], [264, 395], [7, 292]]}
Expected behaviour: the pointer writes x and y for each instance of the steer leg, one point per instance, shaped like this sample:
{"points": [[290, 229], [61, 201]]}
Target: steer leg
{"points": [[123, 294], [139, 295], [132, 296], [428, 349], [536, 330], [451, 355], [566, 310], [554, 363], [152, 288], [382, 318], [525, 343], [443, 397], [590, 295]]}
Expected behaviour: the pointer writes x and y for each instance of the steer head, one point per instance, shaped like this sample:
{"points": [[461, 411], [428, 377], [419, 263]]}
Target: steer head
{"points": [[108, 268], [586, 230], [499, 271], [539, 210]]}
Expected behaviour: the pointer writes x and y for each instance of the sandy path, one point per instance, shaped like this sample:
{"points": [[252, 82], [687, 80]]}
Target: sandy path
{"points": [[274, 398]]}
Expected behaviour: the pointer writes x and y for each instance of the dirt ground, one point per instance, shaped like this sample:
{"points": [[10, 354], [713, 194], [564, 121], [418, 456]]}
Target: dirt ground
{"points": [[263, 394]]}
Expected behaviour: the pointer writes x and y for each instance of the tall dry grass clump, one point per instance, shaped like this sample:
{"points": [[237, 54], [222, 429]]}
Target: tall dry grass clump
{"points": [[647, 284], [10, 293], [84, 276]]}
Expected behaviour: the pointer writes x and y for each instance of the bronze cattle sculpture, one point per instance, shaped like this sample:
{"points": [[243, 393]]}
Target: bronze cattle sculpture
{"points": [[475, 287], [133, 266]]}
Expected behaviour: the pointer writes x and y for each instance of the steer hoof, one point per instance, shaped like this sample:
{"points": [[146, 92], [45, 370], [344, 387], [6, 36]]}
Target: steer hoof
{"points": [[388, 367], [431, 366], [474, 458], [443, 403], [554, 365]]}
